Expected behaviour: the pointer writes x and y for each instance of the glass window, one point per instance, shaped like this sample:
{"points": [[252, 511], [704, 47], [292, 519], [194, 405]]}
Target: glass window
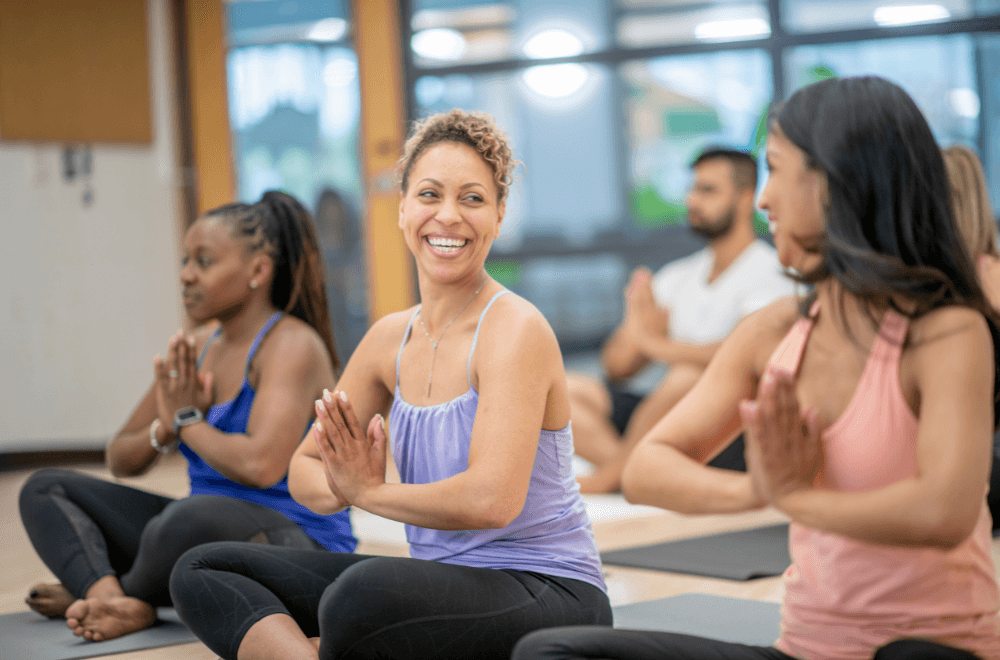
{"points": [[988, 50], [939, 72], [294, 112], [663, 22], [677, 106], [819, 15], [560, 119], [449, 32]]}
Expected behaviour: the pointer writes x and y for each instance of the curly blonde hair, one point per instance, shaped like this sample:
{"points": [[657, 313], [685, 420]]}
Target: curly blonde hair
{"points": [[476, 129]]}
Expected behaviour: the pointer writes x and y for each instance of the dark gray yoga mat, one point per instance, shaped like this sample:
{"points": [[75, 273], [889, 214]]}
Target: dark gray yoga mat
{"points": [[31, 635], [743, 555], [726, 619]]}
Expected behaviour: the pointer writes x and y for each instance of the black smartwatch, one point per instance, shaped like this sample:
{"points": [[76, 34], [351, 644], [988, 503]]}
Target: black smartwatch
{"points": [[185, 417]]}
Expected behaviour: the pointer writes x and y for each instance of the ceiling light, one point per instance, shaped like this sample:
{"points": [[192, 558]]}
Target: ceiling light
{"points": [[910, 15], [732, 30], [556, 81], [442, 44], [329, 29], [553, 43], [965, 102]]}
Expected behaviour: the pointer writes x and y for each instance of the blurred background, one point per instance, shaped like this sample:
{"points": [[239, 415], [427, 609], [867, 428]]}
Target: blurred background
{"points": [[606, 101]]}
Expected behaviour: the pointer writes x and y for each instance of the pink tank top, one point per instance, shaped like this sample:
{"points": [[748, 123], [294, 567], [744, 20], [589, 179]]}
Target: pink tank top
{"points": [[845, 598]]}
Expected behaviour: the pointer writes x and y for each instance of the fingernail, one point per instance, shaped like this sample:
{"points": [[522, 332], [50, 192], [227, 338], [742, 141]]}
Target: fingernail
{"points": [[319, 427], [319, 406], [343, 396], [327, 396]]}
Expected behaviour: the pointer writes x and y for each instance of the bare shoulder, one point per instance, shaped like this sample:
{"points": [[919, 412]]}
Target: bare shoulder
{"points": [[759, 334], [294, 342], [513, 324], [948, 329]]}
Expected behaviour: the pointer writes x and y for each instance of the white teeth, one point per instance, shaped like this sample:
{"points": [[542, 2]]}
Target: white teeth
{"points": [[447, 244]]}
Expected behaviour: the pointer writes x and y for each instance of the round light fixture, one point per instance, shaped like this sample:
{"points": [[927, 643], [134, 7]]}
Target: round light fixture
{"points": [[441, 44]]}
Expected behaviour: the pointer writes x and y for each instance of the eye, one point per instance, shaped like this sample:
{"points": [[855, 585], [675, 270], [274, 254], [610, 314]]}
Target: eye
{"points": [[184, 261], [204, 262], [427, 193], [474, 197]]}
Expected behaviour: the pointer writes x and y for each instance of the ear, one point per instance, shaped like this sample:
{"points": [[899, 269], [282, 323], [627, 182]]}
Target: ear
{"points": [[261, 269], [399, 218]]}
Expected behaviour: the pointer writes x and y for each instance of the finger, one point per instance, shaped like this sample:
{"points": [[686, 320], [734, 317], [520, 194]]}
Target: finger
{"points": [[159, 368], [324, 427], [339, 434], [787, 419], [376, 433], [172, 370], [322, 444], [350, 417], [183, 364]]}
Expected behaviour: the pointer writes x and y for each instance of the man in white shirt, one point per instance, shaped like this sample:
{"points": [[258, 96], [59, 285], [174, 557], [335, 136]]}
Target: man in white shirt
{"points": [[678, 317]]}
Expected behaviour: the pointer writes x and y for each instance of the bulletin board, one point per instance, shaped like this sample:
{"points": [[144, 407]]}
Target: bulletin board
{"points": [[75, 71]]}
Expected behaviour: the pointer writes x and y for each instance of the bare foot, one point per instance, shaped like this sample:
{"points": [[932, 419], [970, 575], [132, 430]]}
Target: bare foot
{"points": [[98, 619], [49, 599]]}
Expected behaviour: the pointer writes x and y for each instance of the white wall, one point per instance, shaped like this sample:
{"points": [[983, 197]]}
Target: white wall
{"points": [[87, 294]]}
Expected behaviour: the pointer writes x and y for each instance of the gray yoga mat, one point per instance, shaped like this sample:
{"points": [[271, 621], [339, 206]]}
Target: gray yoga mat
{"points": [[743, 555], [31, 635], [717, 617]]}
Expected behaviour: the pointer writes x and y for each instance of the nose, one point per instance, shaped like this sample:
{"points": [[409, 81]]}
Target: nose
{"points": [[448, 213], [764, 200], [187, 273]]}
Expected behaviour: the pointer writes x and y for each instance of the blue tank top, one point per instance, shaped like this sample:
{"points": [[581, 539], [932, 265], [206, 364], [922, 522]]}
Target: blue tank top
{"points": [[332, 532], [551, 535]]}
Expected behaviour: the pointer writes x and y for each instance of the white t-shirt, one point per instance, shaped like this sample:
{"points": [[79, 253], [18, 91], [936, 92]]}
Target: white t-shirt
{"points": [[703, 313]]}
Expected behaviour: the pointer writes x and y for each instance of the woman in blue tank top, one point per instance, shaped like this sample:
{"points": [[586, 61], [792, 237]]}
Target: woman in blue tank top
{"points": [[473, 383], [236, 400]]}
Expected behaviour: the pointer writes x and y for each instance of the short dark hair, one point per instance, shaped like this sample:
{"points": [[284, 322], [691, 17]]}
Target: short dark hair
{"points": [[744, 165]]}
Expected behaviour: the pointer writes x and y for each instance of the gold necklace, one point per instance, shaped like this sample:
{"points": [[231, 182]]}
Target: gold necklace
{"points": [[434, 344]]}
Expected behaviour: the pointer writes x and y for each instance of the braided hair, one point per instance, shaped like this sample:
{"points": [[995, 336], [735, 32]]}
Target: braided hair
{"points": [[284, 229]]}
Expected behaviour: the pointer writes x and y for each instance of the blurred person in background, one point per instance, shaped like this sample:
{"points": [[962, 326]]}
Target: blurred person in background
{"points": [[678, 317]]}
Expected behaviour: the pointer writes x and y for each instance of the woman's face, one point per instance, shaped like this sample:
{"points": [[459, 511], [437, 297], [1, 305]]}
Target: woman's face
{"points": [[449, 214], [793, 199], [215, 271]]}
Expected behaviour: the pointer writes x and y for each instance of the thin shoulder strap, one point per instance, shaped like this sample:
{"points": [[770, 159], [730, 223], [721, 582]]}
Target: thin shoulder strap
{"points": [[789, 353], [891, 334], [259, 338], [406, 335], [208, 342], [475, 338]]}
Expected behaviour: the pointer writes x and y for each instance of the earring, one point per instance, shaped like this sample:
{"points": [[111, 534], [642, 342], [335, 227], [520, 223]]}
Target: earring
{"points": [[253, 284]]}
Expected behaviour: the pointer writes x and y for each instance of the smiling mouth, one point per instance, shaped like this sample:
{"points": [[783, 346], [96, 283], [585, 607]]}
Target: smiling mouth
{"points": [[447, 245]]}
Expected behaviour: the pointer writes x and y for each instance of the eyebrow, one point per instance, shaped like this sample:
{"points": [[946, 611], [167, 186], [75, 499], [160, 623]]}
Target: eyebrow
{"points": [[462, 187]]}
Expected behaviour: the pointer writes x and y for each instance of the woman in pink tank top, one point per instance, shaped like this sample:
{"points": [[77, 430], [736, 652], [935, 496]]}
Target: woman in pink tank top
{"points": [[868, 408]]}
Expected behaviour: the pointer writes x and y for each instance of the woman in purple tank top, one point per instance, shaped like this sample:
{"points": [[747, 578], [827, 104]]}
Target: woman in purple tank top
{"points": [[473, 384], [237, 413]]}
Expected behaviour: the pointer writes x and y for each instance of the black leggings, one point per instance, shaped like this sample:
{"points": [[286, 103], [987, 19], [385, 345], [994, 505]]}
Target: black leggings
{"points": [[594, 643], [374, 607], [85, 528]]}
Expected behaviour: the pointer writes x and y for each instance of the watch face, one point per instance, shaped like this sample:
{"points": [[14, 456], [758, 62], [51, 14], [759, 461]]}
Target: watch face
{"points": [[188, 415]]}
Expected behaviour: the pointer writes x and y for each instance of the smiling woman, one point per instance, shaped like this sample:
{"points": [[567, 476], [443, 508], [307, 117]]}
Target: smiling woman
{"points": [[500, 540], [235, 398]]}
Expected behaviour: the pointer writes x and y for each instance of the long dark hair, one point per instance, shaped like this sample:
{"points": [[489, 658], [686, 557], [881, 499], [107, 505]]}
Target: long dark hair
{"points": [[890, 235], [281, 225]]}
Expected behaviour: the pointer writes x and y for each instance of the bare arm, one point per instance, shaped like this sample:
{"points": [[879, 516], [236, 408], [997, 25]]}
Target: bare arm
{"points": [[364, 377], [129, 453], [296, 369], [518, 364], [669, 351], [667, 469], [940, 506], [621, 355]]}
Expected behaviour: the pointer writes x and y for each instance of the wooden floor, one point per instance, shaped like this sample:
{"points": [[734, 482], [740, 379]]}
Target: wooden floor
{"points": [[616, 525]]}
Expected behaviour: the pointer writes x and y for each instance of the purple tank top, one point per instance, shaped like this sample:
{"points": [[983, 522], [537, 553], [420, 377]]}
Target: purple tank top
{"points": [[552, 534]]}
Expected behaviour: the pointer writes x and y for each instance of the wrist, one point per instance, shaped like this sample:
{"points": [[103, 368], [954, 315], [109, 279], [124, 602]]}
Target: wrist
{"points": [[160, 438]]}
